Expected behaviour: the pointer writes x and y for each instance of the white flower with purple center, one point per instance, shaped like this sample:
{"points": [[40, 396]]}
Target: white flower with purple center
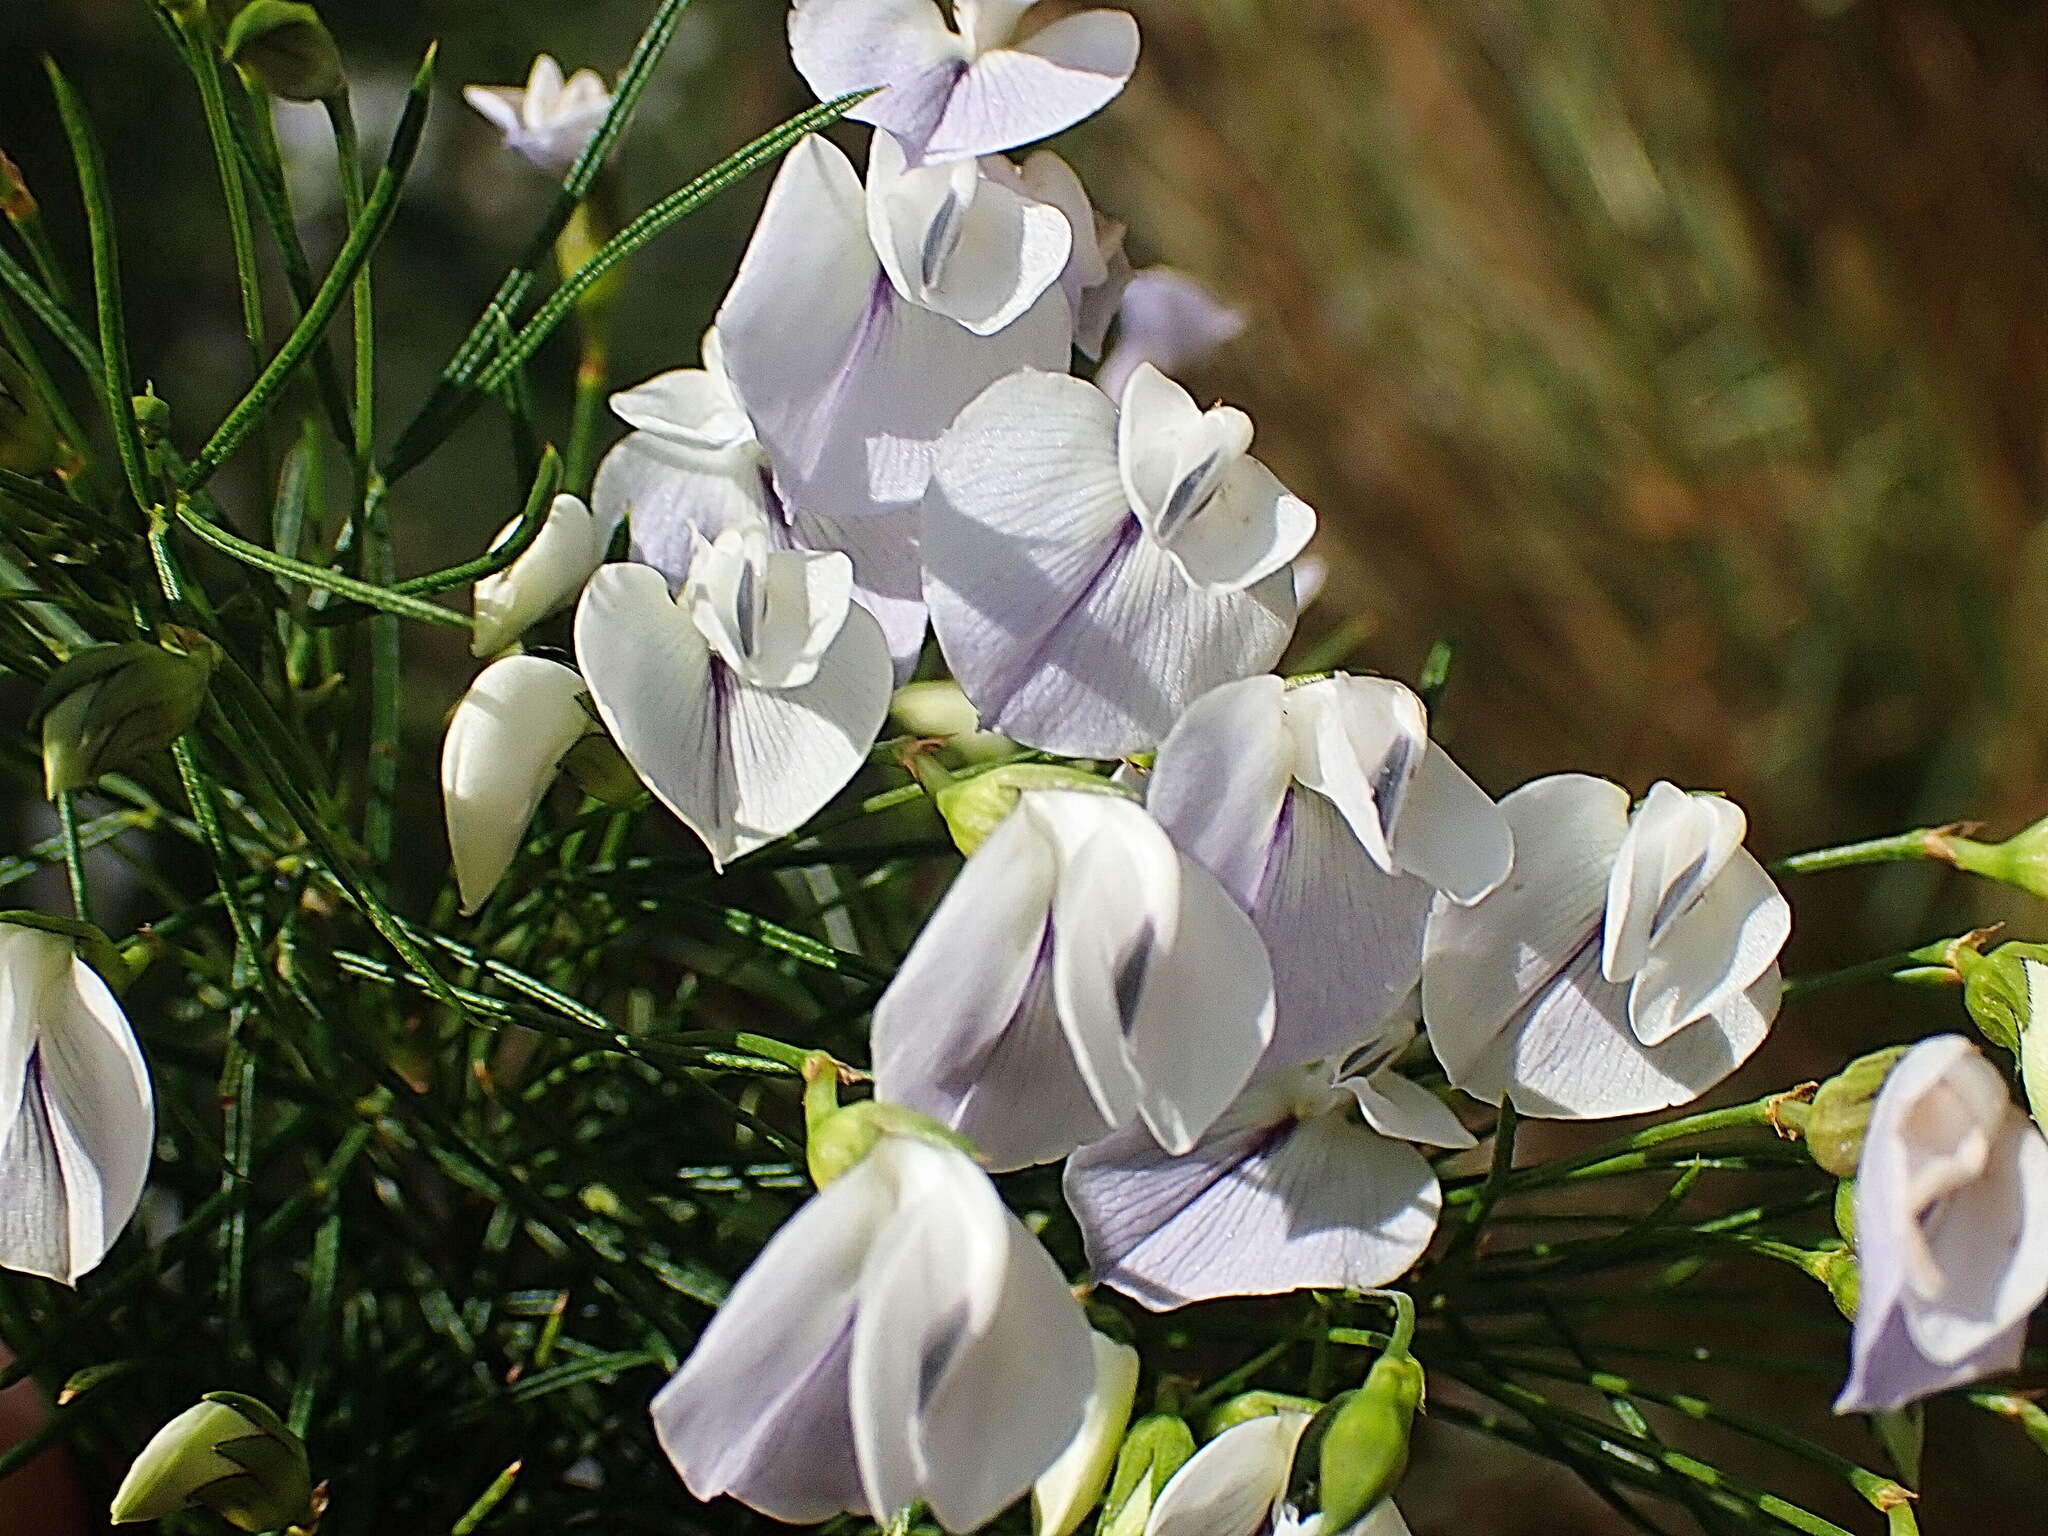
{"points": [[694, 467], [1079, 976], [1307, 1182], [1093, 570], [901, 1338], [1951, 1229], [864, 317], [748, 700], [77, 1118], [1627, 964], [1333, 819], [951, 93]]}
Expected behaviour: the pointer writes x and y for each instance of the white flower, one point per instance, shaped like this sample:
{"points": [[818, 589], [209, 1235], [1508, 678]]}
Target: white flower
{"points": [[1169, 320], [549, 121], [1628, 963], [864, 318], [1333, 819], [1236, 1485], [1097, 273], [1080, 975], [749, 700], [546, 577], [77, 1119], [505, 742], [954, 95], [1285, 1191], [1068, 1489], [695, 468], [1951, 1229], [901, 1338], [1092, 572]]}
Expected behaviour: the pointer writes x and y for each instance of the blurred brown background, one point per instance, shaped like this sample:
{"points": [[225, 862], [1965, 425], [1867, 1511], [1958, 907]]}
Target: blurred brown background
{"points": [[1682, 361]]}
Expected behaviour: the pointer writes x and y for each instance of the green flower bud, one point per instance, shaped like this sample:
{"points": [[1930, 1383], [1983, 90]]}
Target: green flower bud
{"points": [[228, 1453], [286, 48], [1995, 988], [110, 705], [935, 709], [1360, 1440], [1154, 1449], [1841, 1111], [1838, 1271], [28, 438], [836, 1137], [601, 771], [973, 807], [1845, 1210], [1253, 1405]]}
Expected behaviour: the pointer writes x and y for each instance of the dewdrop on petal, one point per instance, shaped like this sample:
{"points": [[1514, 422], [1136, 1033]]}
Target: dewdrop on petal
{"points": [[227, 1453]]}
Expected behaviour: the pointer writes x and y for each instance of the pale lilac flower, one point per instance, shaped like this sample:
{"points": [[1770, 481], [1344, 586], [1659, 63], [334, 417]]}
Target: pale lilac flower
{"points": [[77, 1118], [695, 467], [549, 121], [1098, 272], [1627, 964], [1307, 1182], [1068, 1489], [545, 578], [901, 1338], [1333, 819], [1236, 1485], [1092, 571], [1079, 976], [505, 742], [1951, 1229], [1169, 320], [746, 702], [952, 95], [864, 318]]}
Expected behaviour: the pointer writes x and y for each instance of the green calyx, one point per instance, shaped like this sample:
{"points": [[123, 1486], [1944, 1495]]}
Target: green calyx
{"points": [[228, 1453], [285, 48], [1154, 1448], [836, 1137], [974, 807], [1841, 1111], [111, 705]]}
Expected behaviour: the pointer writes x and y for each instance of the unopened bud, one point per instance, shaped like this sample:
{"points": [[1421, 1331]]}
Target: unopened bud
{"points": [[1155, 1448], [1361, 1451], [1068, 1489], [836, 1137], [110, 705], [228, 1453], [1246, 1406], [28, 438], [936, 709], [1845, 1210], [1841, 1111], [2006, 991], [974, 806], [286, 49], [1838, 1271]]}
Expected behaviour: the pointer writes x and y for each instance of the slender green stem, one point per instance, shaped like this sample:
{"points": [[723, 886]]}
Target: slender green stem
{"points": [[386, 660], [85, 479], [362, 240], [37, 301], [116, 383], [74, 855], [1921, 843], [348, 155], [1758, 1112], [1927, 965], [197, 48]]}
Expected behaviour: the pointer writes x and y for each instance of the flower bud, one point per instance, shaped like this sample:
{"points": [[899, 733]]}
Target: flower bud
{"points": [[1234, 1411], [1845, 1210], [1068, 1489], [286, 49], [228, 1453], [28, 438], [936, 709], [547, 576], [1155, 1448], [972, 807], [1841, 1111], [835, 1137], [110, 705], [1838, 1270], [2020, 860], [601, 771], [1361, 1440]]}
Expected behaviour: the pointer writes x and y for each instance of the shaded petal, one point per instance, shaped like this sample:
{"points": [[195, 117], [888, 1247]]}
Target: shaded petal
{"points": [[769, 613], [1253, 1211], [1345, 937], [1484, 963], [888, 577], [1451, 834], [1676, 844], [1068, 1489], [1992, 1238], [545, 578], [1361, 741], [1068, 630], [1229, 1486], [1033, 89], [1710, 952], [690, 407], [1888, 1370], [1406, 1111], [776, 1350], [671, 498], [649, 672], [1221, 778], [851, 45], [505, 742], [1169, 320], [1252, 527]]}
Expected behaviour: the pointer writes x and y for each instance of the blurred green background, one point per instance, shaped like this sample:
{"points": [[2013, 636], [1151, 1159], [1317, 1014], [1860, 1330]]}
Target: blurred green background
{"points": [[1682, 361]]}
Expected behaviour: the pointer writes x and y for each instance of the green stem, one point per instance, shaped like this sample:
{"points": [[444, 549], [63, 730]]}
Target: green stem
{"points": [[1927, 965], [74, 855], [348, 156], [1900, 847], [200, 59]]}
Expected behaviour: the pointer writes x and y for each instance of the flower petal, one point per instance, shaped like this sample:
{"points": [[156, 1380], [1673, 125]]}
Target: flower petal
{"points": [[1229, 1486], [1033, 89], [500, 103], [1068, 1489], [689, 407], [850, 45], [1169, 320], [1220, 779], [1451, 834], [1711, 951], [671, 498], [1406, 1111], [760, 1359], [1361, 742], [546, 577], [1252, 528], [1676, 844], [1253, 1211], [505, 741], [888, 577]]}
